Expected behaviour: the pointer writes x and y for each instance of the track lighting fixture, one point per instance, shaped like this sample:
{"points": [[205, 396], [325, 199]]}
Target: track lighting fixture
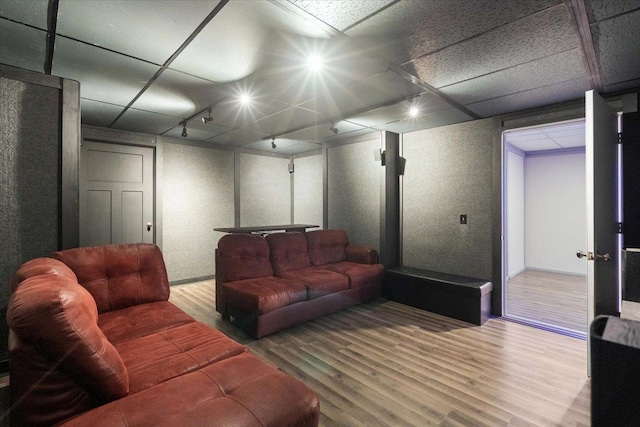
{"points": [[273, 143], [184, 129], [207, 119], [333, 129]]}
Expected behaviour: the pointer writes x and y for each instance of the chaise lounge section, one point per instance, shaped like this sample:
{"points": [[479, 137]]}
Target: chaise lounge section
{"points": [[267, 284], [95, 341]]}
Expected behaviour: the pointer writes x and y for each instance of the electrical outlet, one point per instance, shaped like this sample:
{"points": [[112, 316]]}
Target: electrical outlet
{"points": [[463, 219]]}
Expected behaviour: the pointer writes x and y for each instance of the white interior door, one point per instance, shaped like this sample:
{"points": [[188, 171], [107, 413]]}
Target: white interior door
{"points": [[116, 194], [601, 170]]}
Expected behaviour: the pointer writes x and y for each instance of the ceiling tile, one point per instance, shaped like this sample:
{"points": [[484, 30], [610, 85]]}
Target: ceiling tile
{"points": [[145, 121], [178, 94], [233, 114], [238, 137], [537, 145], [32, 12], [616, 44], [409, 29], [22, 46], [438, 118], [98, 113], [426, 104], [573, 89], [597, 10], [341, 14], [284, 121], [525, 40], [103, 75], [322, 132], [265, 145], [300, 147], [542, 72], [570, 141], [158, 27]]}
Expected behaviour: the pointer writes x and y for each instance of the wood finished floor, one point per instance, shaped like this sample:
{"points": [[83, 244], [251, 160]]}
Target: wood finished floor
{"points": [[552, 298], [386, 364]]}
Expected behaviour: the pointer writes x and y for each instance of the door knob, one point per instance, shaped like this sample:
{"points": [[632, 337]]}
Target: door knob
{"points": [[149, 226], [581, 254], [605, 257]]}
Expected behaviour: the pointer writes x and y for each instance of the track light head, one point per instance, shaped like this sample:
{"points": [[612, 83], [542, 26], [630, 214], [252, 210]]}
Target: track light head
{"points": [[207, 119], [333, 129], [184, 130], [273, 143]]}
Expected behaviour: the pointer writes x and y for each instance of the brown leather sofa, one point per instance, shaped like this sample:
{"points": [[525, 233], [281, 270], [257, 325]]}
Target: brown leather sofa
{"points": [[267, 284], [94, 341]]}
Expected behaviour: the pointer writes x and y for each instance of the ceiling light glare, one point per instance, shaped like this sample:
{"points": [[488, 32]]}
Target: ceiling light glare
{"points": [[414, 111], [245, 99], [314, 62]]}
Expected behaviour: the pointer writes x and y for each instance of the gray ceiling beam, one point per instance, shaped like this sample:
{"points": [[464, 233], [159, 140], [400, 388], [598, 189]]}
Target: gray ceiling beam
{"points": [[580, 23]]}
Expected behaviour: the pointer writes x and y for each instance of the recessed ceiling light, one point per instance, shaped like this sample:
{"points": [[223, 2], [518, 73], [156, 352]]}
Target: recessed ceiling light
{"points": [[315, 63], [245, 99], [414, 111]]}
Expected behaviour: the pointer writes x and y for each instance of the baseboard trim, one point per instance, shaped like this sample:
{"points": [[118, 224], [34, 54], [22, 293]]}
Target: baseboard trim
{"points": [[191, 280], [547, 270]]}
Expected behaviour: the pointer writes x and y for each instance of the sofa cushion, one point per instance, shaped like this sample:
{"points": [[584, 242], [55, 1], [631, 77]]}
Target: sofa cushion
{"points": [[60, 317], [141, 320], [318, 280], [359, 274], [263, 294], [288, 252], [244, 256], [40, 266], [239, 391], [119, 276], [161, 356], [326, 246]]}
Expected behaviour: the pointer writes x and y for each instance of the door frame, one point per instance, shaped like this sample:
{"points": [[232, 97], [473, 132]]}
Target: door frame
{"points": [[504, 231], [115, 137]]}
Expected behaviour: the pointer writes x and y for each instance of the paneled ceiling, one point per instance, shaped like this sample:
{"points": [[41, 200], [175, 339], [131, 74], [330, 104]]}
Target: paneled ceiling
{"points": [[150, 66]]}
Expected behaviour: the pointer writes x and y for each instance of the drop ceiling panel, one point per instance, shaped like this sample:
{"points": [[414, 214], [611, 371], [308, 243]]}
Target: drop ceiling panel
{"points": [[616, 44], [597, 10], [426, 103], [22, 46], [341, 14], [98, 113], [570, 141], [281, 144], [300, 147], [385, 88], [145, 122], [537, 36], [178, 94], [573, 89], [157, 28], [32, 12], [322, 132], [438, 118], [237, 137], [536, 145], [103, 75], [233, 114], [284, 121], [542, 72], [409, 29]]}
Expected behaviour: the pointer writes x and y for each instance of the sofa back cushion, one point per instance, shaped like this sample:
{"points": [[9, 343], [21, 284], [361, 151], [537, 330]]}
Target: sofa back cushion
{"points": [[326, 246], [288, 251], [119, 276], [244, 256], [39, 266], [60, 318]]}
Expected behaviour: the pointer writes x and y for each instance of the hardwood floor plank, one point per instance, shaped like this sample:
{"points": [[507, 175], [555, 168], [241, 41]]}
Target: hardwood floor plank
{"points": [[386, 364]]}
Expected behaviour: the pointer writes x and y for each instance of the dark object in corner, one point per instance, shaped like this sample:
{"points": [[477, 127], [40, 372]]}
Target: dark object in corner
{"points": [[463, 298], [615, 377]]}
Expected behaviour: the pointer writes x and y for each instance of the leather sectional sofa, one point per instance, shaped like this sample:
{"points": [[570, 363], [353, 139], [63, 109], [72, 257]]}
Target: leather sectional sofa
{"points": [[94, 341], [266, 284]]}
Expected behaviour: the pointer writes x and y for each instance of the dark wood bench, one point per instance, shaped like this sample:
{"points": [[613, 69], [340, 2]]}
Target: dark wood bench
{"points": [[462, 298]]}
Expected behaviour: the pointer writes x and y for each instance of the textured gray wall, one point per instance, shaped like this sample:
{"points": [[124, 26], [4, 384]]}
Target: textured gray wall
{"points": [[197, 197], [265, 190], [29, 180], [307, 190], [449, 173], [354, 191]]}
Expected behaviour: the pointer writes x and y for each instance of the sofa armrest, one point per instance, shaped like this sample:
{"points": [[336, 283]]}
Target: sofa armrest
{"points": [[361, 254]]}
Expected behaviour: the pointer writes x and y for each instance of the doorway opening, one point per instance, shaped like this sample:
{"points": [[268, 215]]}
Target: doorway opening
{"points": [[545, 223]]}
